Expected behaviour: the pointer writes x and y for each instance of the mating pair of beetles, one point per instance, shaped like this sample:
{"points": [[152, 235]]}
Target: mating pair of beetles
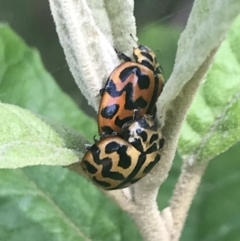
{"points": [[130, 141]]}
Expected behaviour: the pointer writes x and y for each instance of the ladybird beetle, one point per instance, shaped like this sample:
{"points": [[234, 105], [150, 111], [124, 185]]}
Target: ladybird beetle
{"points": [[114, 162], [131, 85]]}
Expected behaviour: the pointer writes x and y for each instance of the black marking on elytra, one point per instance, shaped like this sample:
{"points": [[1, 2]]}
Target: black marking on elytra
{"points": [[111, 147], [152, 148], [161, 143], [106, 164], [101, 183], [107, 129], [130, 104], [147, 64], [137, 144], [109, 174], [111, 88], [124, 159], [149, 167], [138, 103], [147, 55], [140, 162], [143, 80], [120, 122], [110, 111], [126, 72], [153, 138], [89, 167], [106, 170], [121, 150], [152, 104], [142, 134]]}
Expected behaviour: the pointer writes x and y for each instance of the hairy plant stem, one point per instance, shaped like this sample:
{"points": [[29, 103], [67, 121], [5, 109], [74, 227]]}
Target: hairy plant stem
{"points": [[184, 193], [174, 120], [150, 223]]}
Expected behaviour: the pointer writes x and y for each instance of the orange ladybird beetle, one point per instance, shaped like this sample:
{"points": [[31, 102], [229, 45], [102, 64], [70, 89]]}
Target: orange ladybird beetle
{"points": [[131, 85], [114, 162]]}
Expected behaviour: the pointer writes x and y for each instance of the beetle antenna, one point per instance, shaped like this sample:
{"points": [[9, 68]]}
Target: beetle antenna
{"points": [[157, 50], [134, 39]]}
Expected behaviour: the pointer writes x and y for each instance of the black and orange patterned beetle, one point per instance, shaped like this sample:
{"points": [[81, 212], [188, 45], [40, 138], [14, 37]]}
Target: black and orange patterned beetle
{"points": [[131, 85], [114, 162]]}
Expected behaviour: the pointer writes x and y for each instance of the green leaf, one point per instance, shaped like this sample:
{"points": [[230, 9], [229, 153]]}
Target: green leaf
{"points": [[25, 82], [26, 140], [53, 203], [212, 124]]}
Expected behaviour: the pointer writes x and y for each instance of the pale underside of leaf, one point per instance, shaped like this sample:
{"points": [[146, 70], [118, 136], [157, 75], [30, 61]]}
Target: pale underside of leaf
{"points": [[27, 140]]}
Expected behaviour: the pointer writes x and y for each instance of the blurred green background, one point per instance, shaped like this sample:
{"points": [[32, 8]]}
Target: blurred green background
{"points": [[215, 213]]}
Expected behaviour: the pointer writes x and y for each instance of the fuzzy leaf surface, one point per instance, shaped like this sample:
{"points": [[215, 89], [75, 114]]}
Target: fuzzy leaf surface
{"points": [[212, 124]]}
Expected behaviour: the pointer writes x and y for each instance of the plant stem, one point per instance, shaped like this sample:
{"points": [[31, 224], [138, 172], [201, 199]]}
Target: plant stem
{"points": [[184, 193], [150, 223]]}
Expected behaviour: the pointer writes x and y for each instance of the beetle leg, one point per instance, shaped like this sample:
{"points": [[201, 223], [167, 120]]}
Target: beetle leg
{"points": [[103, 135], [153, 112], [128, 123], [123, 56], [135, 114], [103, 90], [134, 117], [95, 139], [87, 146]]}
